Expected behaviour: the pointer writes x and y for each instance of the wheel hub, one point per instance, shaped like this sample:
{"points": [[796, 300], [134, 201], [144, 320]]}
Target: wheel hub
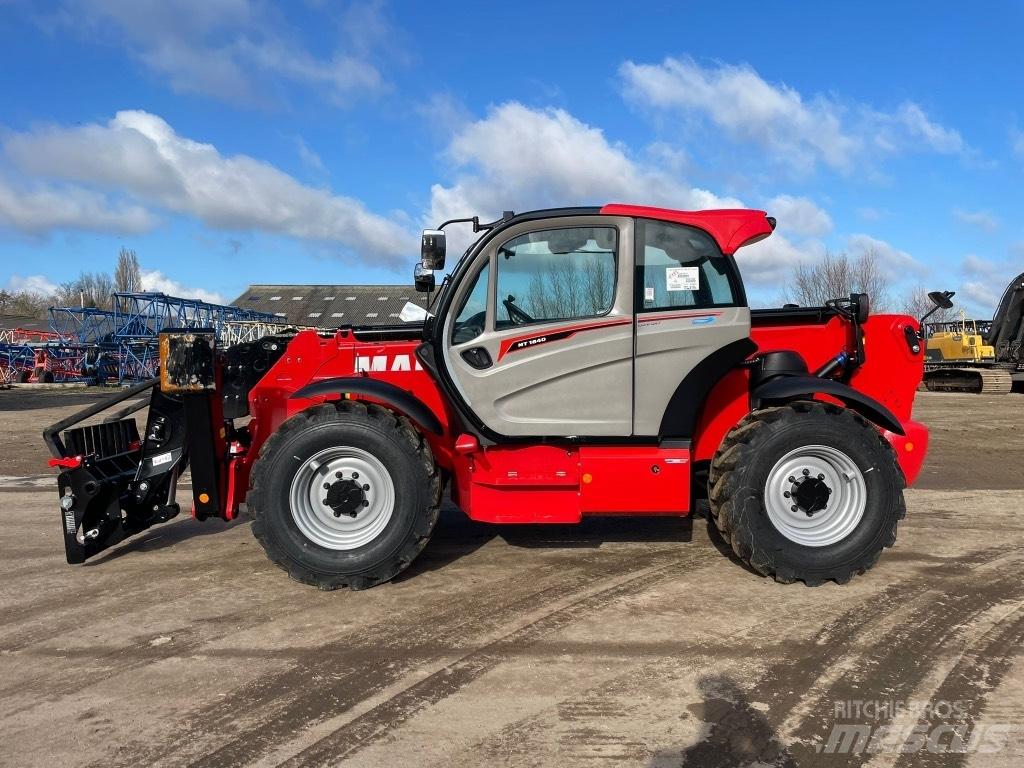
{"points": [[811, 494], [346, 497]]}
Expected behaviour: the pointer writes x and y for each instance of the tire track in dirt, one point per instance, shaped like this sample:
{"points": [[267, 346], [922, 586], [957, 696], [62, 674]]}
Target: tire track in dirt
{"points": [[337, 675], [110, 596], [187, 640], [370, 726], [899, 662], [976, 674], [799, 666]]}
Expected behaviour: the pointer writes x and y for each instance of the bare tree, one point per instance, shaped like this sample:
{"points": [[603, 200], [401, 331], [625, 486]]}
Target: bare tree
{"points": [[837, 276], [24, 303], [127, 276], [570, 287], [94, 289]]}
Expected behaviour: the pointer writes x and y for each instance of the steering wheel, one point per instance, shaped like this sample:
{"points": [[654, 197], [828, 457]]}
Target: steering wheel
{"points": [[515, 314]]}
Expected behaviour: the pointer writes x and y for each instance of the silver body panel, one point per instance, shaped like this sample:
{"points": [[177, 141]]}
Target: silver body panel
{"points": [[606, 376]]}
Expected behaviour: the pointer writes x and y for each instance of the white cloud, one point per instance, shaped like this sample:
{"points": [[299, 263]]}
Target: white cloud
{"points": [[309, 158], [522, 158], [139, 155], [39, 284], [799, 215], [155, 280], [738, 100], [234, 50], [895, 263], [919, 126], [795, 130], [36, 209], [985, 280], [983, 220], [983, 296]]}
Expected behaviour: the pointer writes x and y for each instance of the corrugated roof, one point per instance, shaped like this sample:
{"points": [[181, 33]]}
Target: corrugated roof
{"points": [[28, 322], [329, 306]]}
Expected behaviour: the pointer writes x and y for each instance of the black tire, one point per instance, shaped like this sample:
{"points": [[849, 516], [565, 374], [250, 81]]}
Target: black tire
{"points": [[740, 471], [390, 439], [23, 377], [46, 377]]}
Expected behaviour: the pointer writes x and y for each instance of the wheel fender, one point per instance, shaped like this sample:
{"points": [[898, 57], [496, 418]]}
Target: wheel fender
{"points": [[786, 388], [397, 398]]}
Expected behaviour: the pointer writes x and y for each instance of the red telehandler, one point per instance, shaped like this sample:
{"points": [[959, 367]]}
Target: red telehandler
{"points": [[576, 361]]}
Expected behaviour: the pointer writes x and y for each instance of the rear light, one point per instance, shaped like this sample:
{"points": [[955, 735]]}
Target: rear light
{"points": [[913, 340]]}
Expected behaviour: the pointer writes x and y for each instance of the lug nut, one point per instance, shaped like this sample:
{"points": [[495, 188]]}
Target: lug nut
{"points": [[793, 508], [792, 479], [366, 486], [787, 494], [821, 476], [355, 475], [366, 503], [807, 472], [339, 474], [327, 486], [325, 501]]}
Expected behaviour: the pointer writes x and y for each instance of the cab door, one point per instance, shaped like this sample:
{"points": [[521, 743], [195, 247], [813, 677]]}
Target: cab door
{"points": [[539, 341], [692, 325]]}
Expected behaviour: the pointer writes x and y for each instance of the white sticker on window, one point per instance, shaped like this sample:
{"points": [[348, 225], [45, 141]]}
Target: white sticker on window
{"points": [[649, 293], [682, 278]]}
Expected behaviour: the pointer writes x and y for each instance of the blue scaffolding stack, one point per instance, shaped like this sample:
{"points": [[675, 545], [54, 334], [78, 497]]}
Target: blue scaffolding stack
{"points": [[122, 343]]}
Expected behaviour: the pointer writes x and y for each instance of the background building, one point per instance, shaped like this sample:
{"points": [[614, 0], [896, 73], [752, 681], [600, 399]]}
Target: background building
{"points": [[329, 306]]}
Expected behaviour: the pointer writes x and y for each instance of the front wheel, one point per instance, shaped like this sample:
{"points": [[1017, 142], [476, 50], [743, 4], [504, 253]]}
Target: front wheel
{"points": [[806, 491], [344, 494]]}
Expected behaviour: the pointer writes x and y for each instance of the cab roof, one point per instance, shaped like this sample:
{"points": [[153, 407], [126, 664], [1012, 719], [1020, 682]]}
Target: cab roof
{"points": [[731, 228]]}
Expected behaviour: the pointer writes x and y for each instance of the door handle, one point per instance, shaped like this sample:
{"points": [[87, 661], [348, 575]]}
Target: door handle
{"points": [[478, 357]]}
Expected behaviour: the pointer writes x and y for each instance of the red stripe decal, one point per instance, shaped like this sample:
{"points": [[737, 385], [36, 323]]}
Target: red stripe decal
{"points": [[555, 334]]}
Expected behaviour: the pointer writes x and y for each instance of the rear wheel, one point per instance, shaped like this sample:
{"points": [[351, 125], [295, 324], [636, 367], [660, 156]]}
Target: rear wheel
{"points": [[807, 491], [344, 494]]}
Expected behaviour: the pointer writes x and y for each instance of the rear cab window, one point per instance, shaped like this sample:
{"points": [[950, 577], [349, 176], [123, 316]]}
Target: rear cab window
{"points": [[681, 267]]}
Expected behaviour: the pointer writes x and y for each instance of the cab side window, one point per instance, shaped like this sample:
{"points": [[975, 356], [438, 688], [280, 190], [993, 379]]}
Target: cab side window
{"points": [[680, 267], [469, 322], [556, 274]]}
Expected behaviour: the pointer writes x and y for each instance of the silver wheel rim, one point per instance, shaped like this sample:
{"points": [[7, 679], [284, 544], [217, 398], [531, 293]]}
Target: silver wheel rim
{"points": [[844, 509], [318, 522]]}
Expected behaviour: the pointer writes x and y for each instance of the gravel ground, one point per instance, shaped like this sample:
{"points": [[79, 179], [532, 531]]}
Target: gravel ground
{"points": [[635, 641]]}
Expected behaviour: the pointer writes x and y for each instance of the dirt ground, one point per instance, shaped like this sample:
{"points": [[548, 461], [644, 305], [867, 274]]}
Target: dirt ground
{"points": [[632, 641]]}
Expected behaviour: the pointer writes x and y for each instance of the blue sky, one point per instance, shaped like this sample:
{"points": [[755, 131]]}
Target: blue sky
{"points": [[232, 141]]}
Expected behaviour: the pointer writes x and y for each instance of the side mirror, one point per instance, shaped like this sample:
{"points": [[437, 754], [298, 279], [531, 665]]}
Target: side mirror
{"points": [[423, 279], [432, 249], [942, 299]]}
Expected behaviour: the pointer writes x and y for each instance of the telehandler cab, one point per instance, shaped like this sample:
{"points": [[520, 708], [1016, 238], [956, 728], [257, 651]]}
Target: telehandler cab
{"points": [[577, 361]]}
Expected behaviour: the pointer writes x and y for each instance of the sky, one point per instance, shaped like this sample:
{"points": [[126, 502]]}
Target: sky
{"points": [[237, 141]]}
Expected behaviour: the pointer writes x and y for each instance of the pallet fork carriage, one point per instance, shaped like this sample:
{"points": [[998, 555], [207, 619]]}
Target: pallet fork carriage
{"points": [[577, 361]]}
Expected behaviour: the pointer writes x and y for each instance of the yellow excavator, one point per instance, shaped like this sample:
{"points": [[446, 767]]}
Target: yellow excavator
{"points": [[981, 356]]}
